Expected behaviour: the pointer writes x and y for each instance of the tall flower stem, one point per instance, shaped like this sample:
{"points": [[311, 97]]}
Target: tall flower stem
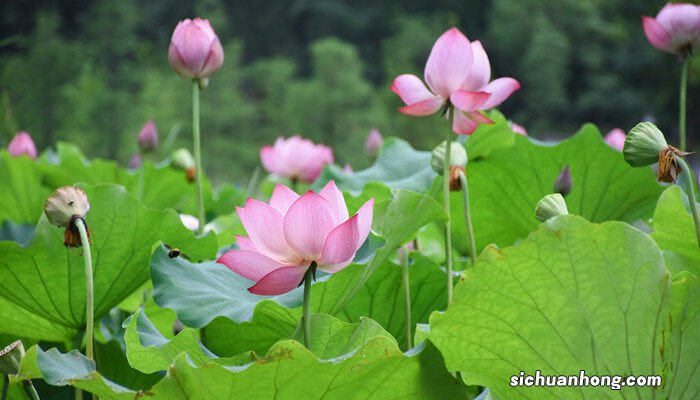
{"points": [[197, 155], [446, 202], [688, 185], [89, 289], [306, 317], [468, 217], [30, 390], [407, 297], [683, 91]]}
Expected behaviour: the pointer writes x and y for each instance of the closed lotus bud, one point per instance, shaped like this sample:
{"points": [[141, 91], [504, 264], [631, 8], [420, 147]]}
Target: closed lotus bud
{"points": [[10, 358], [63, 207], [22, 144], [564, 182], [195, 51], [148, 137], [135, 161], [182, 159], [551, 205], [373, 142], [643, 145]]}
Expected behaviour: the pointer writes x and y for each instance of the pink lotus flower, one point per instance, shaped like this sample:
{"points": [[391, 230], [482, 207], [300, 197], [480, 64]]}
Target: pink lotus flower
{"points": [[457, 73], [519, 129], [676, 28], [373, 142], [195, 51], [148, 137], [22, 144], [290, 233], [296, 158], [616, 139]]}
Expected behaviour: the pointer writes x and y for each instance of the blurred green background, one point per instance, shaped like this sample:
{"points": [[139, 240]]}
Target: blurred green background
{"points": [[93, 72]]}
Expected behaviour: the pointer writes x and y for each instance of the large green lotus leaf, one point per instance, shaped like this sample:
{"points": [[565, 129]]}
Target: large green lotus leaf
{"points": [[674, 231], [573, 296], [489, 137], [506, 185], [20, 183], [42, 285]]}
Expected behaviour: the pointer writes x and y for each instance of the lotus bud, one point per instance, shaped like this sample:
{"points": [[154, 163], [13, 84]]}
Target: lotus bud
{"points": [[551, 205], [458, 162], [646, 145], [182, 159], [373, 142], [135, 161], [564, 182], [148, 137], [63, 207], [195, 51], [10, 358], [22, 144], [347, 169]]}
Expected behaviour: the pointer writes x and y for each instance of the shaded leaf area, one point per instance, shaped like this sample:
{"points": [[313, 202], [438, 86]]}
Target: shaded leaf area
{"points": [[674, 232], [42, 285], [573, 296], [23, 193], [367, 365], [506, 185]]}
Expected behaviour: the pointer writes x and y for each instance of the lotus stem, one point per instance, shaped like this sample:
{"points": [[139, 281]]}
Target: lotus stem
{"points": [[251, 189], [468, 217], [30, 390], [688, 185], [306, 317], [683, 95], [89, 288], [197, 155], [407, 298], [5, 386], [446, 202]]}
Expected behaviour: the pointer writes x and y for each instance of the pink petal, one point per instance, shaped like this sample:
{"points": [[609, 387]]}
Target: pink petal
{"points": [[307, 224], [244, 243], [364, 220], [411, 89], [616, 139], [264, 225], [193, 48], [657, 34], [461, 124], [282, 198], [500, 90], [449, 63], [468, 101], [279, 281], [681, 21], [335, 197], [249, 264], [268, 158], [214, 60], [423, 108], [341, 244], [480, 72], [479, 118]]}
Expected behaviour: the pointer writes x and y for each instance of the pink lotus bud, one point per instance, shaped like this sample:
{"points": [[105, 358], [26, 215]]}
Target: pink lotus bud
{"points": [[190, 222], [21, 144], [296, 158], [148, 137], [457, 73], [347, 169], [519, 129], [195, 51], [676, 28], [135, 161], [292, 232], [373, 142], [616, 139]]}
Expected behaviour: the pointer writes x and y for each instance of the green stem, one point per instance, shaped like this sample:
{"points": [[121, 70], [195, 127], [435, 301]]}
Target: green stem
{"points": [[306, 317], [683, 91], [89, 288], [5, 386], [251, 189], [446, 202], [407, 298], [30, 390], [197, 155], [468, 217], [688, 185]]}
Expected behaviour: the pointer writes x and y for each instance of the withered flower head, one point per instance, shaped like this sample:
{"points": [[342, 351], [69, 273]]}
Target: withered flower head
{"points": [[455, 182], [668, 164], [458, 162], [63, 207]]}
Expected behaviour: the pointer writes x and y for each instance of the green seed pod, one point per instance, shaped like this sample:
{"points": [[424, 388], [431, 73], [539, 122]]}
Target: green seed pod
{"points": [[550, 206], [182, 159], [458, 157], [10, 358], [643, 145]]}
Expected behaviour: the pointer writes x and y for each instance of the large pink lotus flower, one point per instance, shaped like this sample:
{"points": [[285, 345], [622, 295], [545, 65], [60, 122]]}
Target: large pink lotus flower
{"points": [[616, 139], [290, 233], [195, 51], [296, 158], [676, 28], [22, 144], [148, 137], [457, 72]]}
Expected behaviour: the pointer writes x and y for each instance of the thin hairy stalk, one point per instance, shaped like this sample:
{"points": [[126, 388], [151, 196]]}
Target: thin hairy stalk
{"points": [[468, 217]]}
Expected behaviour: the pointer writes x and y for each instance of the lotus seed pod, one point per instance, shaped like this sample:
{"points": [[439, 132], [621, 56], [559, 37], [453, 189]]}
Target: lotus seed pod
{"points": [[10, 358], [458, 157], [550, 206], [66, 204], [182, 158], [643, 145]]}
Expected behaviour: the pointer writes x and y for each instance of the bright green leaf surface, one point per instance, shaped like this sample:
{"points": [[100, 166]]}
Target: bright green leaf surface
{"points": [[674, 231]]}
